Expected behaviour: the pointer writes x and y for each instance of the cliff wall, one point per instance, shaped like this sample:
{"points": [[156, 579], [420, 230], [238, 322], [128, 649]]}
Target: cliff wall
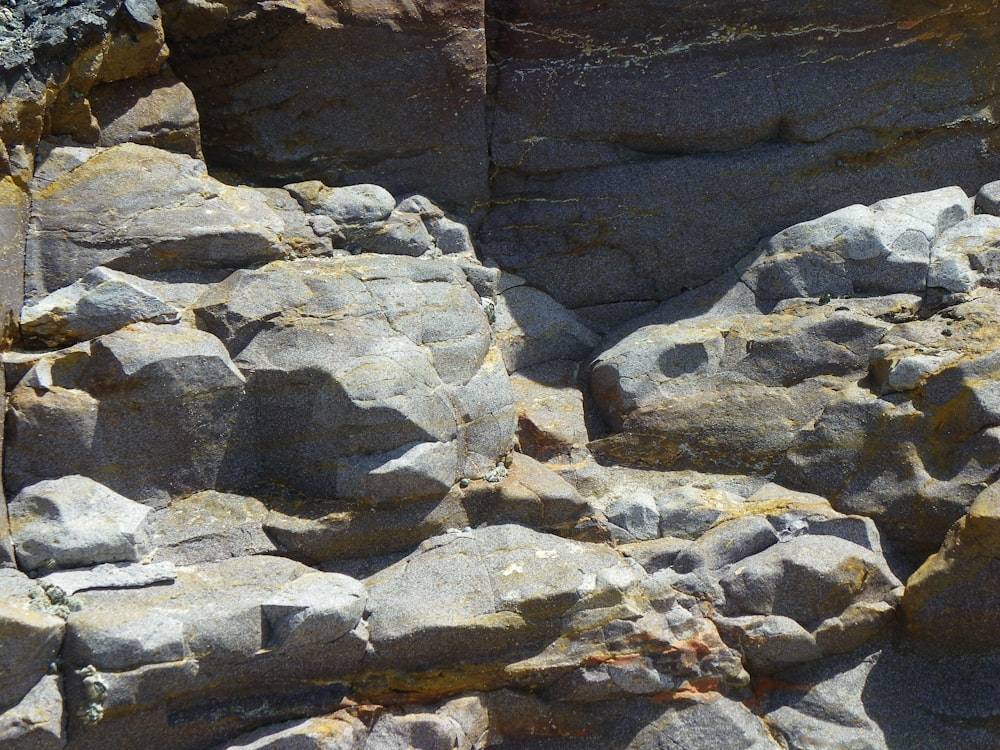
{"points": [[394, 374]]}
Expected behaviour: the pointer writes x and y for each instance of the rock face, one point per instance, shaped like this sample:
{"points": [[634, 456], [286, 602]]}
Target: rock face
{"points": [[623, 140], [877, 394], [298, 464], [431, 75]]}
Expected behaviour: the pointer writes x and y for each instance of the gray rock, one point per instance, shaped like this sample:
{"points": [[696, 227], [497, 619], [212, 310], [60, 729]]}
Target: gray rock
{"points": [[966, 257], [148, 412], [75, 522], [101, 302], [349, 206], [707, 725], [171, 657], [688, 512], [340, 731], [688, 395], [525, 492], [450, 236], [314, 608], [369, 379], [810, 594], [417, 731], [36, 723], [402, 233], [299, 234], [635, 515], [139, 209], [509, 585], [878, 445], [726, 544], [111, 576], [208, 526], [835, 712], [550, 411], [532, 328], [30, 642], [883, 249], [219, 611], [988, 198], [769, 643]]}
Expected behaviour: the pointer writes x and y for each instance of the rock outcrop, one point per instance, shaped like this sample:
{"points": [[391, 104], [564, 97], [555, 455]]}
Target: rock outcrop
{"points": [[297, 456]]}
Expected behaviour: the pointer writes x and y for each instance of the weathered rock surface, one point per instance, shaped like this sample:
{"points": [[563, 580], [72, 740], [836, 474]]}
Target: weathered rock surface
{"points": [[628, 141], [532, 328], [155, 111], [75, 522], [369, 379], [877, 402], [520, 593], [951, 603], [32, 638], [101, 302], [413, 122], [208, 526], [340, 358], [182, 664], [551, 421], [138, 209], [36, 723], [146, 411]]}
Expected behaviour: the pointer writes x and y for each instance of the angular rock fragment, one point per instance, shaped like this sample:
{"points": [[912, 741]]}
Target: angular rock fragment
{"points": [[550, 411], [147, 411], [966, 256], [314, 608], [527, 493], [36, 723], [74, 522], [101, 302], [108, 576], [343, 213], [532, 328], [156, 111]]}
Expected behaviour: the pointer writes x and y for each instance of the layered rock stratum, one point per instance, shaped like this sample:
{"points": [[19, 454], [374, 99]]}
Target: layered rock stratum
{"points": [[387, 375]]}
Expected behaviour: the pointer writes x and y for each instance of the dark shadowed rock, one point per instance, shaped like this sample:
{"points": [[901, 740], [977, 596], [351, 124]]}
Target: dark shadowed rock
{"points": [[290, 91], [147, 411]]}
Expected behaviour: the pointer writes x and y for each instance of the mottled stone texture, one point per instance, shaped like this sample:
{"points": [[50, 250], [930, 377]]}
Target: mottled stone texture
{"points": [[658, 139], [388, 90]]}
